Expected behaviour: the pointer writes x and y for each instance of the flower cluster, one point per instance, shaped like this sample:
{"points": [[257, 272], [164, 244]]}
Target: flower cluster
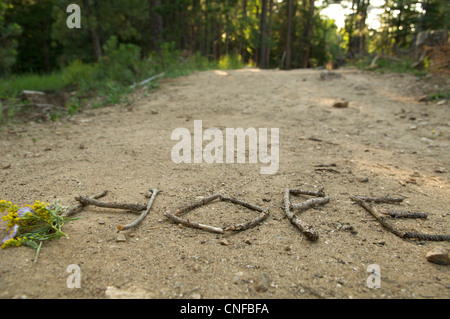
{"points": [[29, 224]]}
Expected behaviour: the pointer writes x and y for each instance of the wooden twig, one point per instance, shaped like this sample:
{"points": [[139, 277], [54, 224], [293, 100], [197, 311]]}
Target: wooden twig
{"points": [[188, 223], [402, 214], [250, 224], [332, 170], [384, 199], [415, 235], [242, 203], [196, 204], [147, 81], [143, 215], [88, 201], [79, 206], [310, 203], [306, 229], [239, 227], [382, 219], [319, 193]]}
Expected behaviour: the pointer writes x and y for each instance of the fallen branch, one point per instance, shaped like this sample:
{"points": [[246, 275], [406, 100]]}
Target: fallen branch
{"points": [[88, 201], [326, 169], [239, 227], [199, 203], [188, 223], [401, 214], [382, 219], [306, 229], [250, 224], [319, 193], [147, 81], [143, 215], [242, 203], [310, 203], [384, 199], [79, 206], [414, 235]]}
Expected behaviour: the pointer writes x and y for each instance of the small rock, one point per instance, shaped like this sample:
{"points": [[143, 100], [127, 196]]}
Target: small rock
{"points": [[424, 98], [121, 238], [247, 241], [224, 242], [380, 243], [81, 146], [341, 105], [197, 268], [8, 166], [362, 179], [439, 255], [263, 283]]}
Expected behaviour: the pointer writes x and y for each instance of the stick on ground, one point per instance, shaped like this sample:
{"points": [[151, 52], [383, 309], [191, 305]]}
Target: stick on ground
{"points": [[319, 193], [383, 220], [240, 227], [384, 199], [132, 207], [188, 223], [79, 206], [401, 214], [306, 229], [143, 215], [310, 203]]}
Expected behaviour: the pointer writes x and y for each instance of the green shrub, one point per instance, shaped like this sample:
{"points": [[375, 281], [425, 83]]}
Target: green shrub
{"points": [[11, 87]]}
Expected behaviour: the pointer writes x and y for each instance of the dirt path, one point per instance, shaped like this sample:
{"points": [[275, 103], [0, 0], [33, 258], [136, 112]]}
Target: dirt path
{"points": [[384, 142]]}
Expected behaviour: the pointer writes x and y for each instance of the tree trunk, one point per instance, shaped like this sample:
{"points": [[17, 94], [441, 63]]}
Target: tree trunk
{"points": [[243, 44], [269, 33], [263, 30], [207, 29], [156, 25], [227, 29], [94, 37], [289, 35], [307, 35]]}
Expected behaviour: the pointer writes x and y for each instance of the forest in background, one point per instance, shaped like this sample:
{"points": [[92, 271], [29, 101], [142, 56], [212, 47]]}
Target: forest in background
{"points": [[124, 42]]}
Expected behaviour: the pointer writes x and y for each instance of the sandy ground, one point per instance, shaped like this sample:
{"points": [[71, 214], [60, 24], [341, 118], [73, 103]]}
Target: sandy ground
{"points": [[384, 143]]}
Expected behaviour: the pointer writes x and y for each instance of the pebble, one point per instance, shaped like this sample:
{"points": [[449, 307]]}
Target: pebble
{"points": [[263, 283], [439, 255], [247, 241], [197, 268], [224, 242], [342, 104], [121, 238]]}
